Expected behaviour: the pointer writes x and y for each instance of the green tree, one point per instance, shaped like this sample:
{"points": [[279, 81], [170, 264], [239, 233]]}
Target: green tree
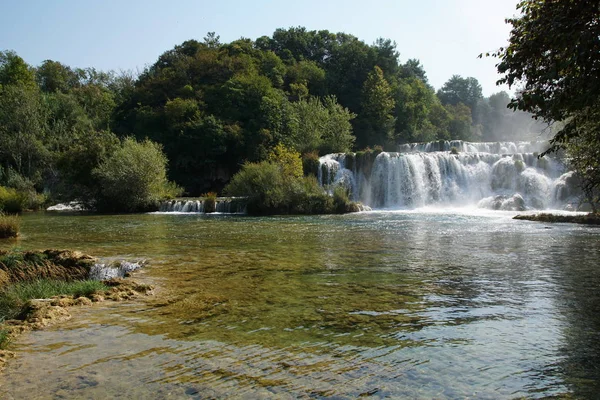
{"points": [[309, 74], [460, 124], [319, 125], [337, 135], [288, 159], [53, 76], [376, 110], [414, 103], [15, 71], [461, 90], [75, 164], [22, 131], [553, 57], [584, 157]]}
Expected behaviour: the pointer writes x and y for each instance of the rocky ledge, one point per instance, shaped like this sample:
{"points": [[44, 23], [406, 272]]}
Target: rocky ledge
{"points": [[588, 219]]}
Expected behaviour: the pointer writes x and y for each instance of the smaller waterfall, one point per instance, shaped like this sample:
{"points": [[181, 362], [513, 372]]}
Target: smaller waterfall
{"points": [[114, 269], [223, 205], [502, 175]]}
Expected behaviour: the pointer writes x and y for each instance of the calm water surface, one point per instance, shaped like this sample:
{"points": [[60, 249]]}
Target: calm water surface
{"points": [[423, 304]]}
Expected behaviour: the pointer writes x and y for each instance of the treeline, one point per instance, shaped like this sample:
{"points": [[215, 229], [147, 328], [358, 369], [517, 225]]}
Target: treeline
{"points": [[210, 107]]}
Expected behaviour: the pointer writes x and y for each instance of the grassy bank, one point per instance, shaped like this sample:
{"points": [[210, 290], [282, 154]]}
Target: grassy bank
{"points": [[588, 219], [9, 226], [36, 287], [14, 298], [65, 265]]}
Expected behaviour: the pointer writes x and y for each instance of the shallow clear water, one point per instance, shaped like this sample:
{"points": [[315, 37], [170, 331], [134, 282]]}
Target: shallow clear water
{"points": [[420, 304]]}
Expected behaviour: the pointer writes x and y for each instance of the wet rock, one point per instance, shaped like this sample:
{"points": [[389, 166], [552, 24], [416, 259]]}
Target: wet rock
{"points": [[97, 298], [502, 202], [5, 355], [83, 301], [41, 313]]}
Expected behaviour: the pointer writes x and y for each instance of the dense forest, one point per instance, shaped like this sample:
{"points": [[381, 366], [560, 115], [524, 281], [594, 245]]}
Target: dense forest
{"points": [[205, 108]]}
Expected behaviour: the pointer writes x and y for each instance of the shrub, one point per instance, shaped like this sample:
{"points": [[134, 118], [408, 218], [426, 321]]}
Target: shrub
{"points": [[453, 150], [133, 178], [9, 225], [210, 202], [288, 160], [12, 201], [340, 199], [276, 187]]}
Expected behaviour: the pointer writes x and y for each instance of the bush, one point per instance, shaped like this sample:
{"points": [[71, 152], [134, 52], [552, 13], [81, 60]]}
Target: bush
{"points": [[9, 226], [134, 178], [453, 150], [270, 191], [12, 201], [340, 199], [210, 202]]}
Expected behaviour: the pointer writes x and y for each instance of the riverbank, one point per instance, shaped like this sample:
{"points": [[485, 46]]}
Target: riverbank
{"points": [[37, 288], [588, 219]]}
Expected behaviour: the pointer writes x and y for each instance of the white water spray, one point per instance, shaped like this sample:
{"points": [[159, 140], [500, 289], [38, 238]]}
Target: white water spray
{"points": [[506, 176]]}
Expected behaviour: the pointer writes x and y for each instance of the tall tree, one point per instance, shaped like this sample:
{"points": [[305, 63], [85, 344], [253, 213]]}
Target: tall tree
{"points": [[461, 90], [53, 76], [377, 109], [14, 70], [554, 57]]}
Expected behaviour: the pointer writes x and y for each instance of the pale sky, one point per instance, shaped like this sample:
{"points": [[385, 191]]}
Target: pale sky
{"points": [[445, 35]]}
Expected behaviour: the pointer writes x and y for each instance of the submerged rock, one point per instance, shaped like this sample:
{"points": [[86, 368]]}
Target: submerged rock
{"points": [[503, 202]]}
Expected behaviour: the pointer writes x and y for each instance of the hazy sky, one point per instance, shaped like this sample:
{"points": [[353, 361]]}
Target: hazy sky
{"points": [[445, 35]]}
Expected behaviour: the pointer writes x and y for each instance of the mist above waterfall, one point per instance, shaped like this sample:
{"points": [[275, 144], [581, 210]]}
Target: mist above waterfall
{"points": [[495, 175]]}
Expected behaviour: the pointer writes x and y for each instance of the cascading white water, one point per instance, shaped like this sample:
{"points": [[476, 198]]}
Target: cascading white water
{"points": [[489, 175], [223, 205]]}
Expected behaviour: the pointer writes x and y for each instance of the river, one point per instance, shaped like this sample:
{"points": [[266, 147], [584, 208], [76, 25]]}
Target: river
{"points": [[428, 303]]}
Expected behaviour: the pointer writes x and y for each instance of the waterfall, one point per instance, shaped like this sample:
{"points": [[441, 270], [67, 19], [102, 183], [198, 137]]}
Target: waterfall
{"points": [[502, 175], [223, 205]]}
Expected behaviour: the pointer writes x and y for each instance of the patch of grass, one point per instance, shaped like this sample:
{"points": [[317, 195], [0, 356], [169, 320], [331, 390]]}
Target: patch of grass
{"points": [[14, 298], [9, 225], [13, 259], [4, 338]]}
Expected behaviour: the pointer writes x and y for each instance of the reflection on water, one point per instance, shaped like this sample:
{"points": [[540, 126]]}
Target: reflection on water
{"points": [[405, 304]]}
